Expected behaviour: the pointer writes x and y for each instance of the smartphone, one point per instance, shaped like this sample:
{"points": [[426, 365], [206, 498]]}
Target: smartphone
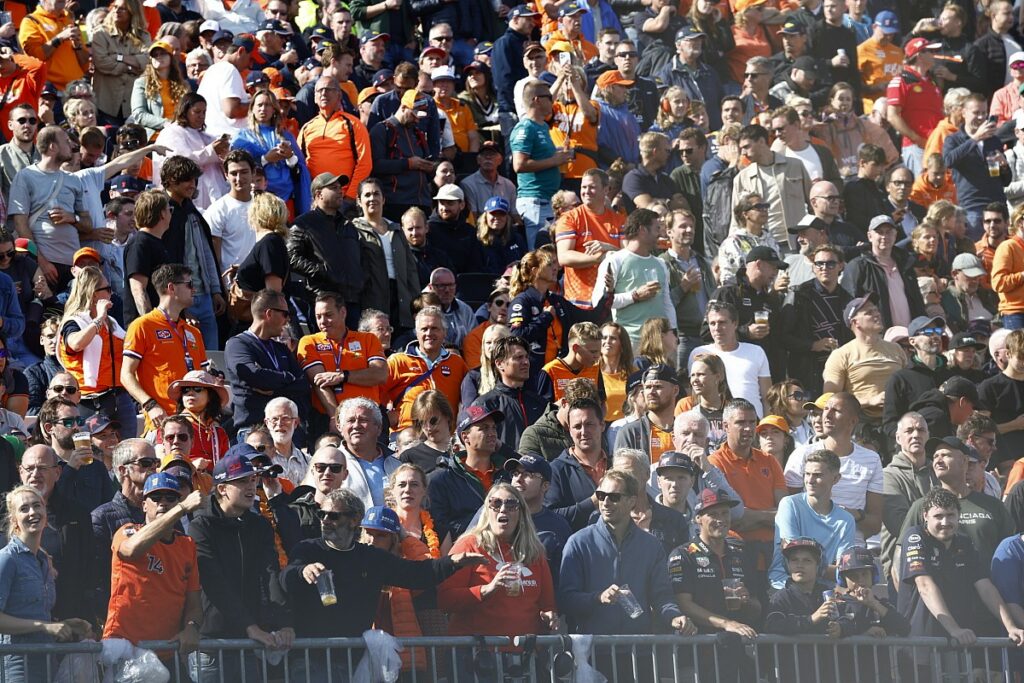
{"points": [[5, 18], [565, 58], [993, 118]]}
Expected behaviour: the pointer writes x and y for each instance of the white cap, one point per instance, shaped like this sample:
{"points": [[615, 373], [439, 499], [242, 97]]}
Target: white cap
{"points": [[209, 25], [442, 72], [450, 192], [1017, 56]]}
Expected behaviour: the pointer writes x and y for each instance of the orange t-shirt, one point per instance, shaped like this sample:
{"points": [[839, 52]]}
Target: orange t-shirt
{"points": [[355, 351], [684, 404], [570, 125], [925, 194], [164, 350], [404, 369], [473, 344], [577, 227], [661, 441], [560, 373], [460, 118], [40, 27], [147, 596], [755, 480], [747, 46]]}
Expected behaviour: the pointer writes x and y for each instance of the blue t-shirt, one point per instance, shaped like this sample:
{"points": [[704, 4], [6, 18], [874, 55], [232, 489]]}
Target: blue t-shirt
{"points": [[1008, 569], [374, 472], [835, 531], [534, 139]]}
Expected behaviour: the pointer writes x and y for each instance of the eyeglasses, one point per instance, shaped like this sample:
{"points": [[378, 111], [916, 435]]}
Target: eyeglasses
{"points": [[613, 497], [800, 396], [182, 436], [805, 114], [631, 53], [828, 265], [144, 463], [187, 283], [501, 303], [753, 75], [760, 206], [164, 497], [686, 151], [508, 504], [334, 467], [37, 468], [931, 332], [70, 422], [192, 390], [333, 516], [64, 389], [283, 311], [828, 198], [281, 419], [25, 119], [8, 254], [383, 330]]}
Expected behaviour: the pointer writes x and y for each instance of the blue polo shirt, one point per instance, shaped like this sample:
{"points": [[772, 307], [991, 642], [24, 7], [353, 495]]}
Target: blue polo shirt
{"points": [[534, 139]]}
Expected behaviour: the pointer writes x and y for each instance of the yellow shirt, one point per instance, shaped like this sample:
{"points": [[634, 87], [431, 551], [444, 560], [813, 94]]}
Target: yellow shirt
{"points": [[40, 27], [460, 118]]}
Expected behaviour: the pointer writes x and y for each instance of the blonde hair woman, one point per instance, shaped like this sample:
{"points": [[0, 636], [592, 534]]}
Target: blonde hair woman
{"points": [[267, 265], [481, 380], [433, 422], [500, 242], [119, 56]]}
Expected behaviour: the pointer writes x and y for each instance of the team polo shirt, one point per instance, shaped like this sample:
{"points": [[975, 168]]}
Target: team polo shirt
{"points": [[410, 374], [355, 351], [166, 351], [954, 569], [561, 374], [878, 63], [577, 227], [460, 119], [572, 128], [698, 571], [919, 99], [534, 140], [147, 595], [755, 480], [661, 441]]}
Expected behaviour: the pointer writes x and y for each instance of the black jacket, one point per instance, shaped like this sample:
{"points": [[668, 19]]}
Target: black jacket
{"points": [[305, 507], [905, 386], [864, 200], [934, 408], [249, 367], [455, 495], [992, 50], [718, 209], [825, 42], [39, 376], [238, 570], [459, 242], [324, 250], [812, 314], [76, 576], [864, 275], [521, 408], [747, 300]]}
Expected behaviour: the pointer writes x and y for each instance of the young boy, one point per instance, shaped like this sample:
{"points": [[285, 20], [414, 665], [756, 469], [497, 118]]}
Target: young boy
{"points": [[581, 361]]}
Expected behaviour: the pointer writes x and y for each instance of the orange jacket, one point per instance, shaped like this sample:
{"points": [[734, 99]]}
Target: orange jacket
{"points": [[339, 145], [1008, 275]]}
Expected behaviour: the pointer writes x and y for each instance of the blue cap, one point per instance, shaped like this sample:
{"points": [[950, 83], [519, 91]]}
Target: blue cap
{"points": [[574, 7], [373, 35], [484, 48], [312, 63], [531, 463], [888, 21], [234, 465], [380, 518], [256, 78], [161, 481], [221, 35], [522, 11], [496, 204], [688, 31]]}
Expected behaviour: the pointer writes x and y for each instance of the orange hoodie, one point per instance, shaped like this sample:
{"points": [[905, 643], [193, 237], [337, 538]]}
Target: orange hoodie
{"points": [[1008, 275]]}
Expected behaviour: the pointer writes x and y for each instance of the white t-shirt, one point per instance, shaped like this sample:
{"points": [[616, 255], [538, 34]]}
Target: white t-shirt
{"points": [[861, 470], [743, 367], [220, 82], [229, 220], [809, 158]]}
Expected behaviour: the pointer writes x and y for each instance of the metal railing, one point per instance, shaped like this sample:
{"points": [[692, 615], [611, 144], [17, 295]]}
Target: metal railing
{"points": [[643, 659]]}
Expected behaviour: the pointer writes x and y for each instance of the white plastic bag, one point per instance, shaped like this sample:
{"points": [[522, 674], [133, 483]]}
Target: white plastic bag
{"points": [[582, 651], [79, 667], [381, 663], [126, 663]]}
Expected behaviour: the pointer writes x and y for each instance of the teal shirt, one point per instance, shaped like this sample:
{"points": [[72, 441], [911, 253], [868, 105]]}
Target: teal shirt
{"points": [[534, 140]]}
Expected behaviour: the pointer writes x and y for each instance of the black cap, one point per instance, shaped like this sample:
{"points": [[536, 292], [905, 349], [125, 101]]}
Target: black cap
{"points": [[960, 387], [793, 28], [709, 498], [634, 380], [806, 64], [677, 460], [663, 373], [808, 222], [935, 444], [966, 340], [763, 253]]}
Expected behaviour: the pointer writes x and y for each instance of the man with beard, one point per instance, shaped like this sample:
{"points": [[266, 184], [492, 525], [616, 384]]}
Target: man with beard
{"points": [[964, 300], [238, 571], [928, 369], [652, 433], [691, 281], [994, 220], [83, 477], [359, 571], [811, 232], [429, 256], [21, 150], [904, 480], [281, 417], [329, 470]]}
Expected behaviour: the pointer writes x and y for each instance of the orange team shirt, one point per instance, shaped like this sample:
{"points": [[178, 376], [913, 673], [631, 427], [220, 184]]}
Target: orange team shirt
{"points": [[353, 352], [472, 345], [161, 347], [577, 227], [404, 368], [747, 46], [571, 125], [95, 368], [560, 373], [879, 63], [40, 27], [460, 118], [581, 44], [28, 79], [147, 596], [755, 481], [661, 441], [926, 194], [329, 145], [986, 253]]}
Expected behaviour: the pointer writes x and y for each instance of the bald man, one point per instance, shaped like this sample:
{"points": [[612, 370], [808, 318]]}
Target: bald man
{"points": [[327, 472], [826, 202]]}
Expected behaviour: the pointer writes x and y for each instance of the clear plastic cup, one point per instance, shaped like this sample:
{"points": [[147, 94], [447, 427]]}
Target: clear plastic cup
{"points": [[83, 440], [629, 602], [761, 317], [514, 587], [733, 588], [325, 586]]}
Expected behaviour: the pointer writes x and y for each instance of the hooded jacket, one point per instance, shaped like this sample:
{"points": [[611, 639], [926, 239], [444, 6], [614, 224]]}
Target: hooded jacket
{"points": [[902, 485], [907, 385], [238, 570]]}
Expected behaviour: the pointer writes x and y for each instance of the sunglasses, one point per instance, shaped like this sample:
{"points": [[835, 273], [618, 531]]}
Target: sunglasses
{"points": [[8, 254], [800, 396], [334, 467], [333, 516], [283, 311], [144, 463], [71, 421], [177, 437], [164, 497], [931, 332], [760, 206], [192, 390], [104, 289], [187, 283], [828, 198], [1015, 65], [501, 303], [64, 389], [25, 119], [753, 75], [627, 54], [826, 264], [613, 497], [508, 504]]}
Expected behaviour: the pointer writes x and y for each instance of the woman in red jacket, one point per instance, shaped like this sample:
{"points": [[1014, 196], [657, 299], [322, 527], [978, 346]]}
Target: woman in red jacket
{"points": [[512, 592]]}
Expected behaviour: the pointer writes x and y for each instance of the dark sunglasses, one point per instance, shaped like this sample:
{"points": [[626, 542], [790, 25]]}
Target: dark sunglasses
{"points": [[177, 437], [753, 75], [800, 396], [104, 289], [501, 303], [192, 390], [826, 264], [760, 206], [71, 421], [334, 467], [283, 311], [509, 505], [931, 332], [614, 497], [164, 497], [25, 119], [144, 463], [627, 54], [333, 516], [187, 283], [64, 389], [8, 254]]}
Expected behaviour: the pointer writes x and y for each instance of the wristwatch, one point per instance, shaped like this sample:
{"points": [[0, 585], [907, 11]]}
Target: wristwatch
{"points": [[150, 404], [120, 58], [193, 623]]}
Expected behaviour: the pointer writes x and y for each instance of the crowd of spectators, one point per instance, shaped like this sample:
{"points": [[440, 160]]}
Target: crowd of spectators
{"points": [[605, 316]]}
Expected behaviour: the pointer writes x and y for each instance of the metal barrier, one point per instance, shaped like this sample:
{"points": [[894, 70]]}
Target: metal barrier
{"points": [[622, 659]]}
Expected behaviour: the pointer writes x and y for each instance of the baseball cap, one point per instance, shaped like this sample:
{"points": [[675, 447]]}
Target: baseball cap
{"points": [[49, 90], [321, 33], [367, 94], [819, 403], [477, 413], [923, 322], [634, 380], [773, 421], [896, 334], [373, 35], [966, 340], [381, 518], [1017, 56], [244, 40], [221, 36], [980, 327], [233, 466], [793, 28], [688, 32], [670, 459], [855, 557], [741, 5], [855, 305], [522, 11], [161, 481], [86, 252], [612, 77], [934, 444], [709, 498], [412, 99], [381, 76], [171, 460], [660, 372], [532, 47], [325, 179], [273, 25], [881, 221], [496, 204], [435, 50], [256, 78], [554, 46], [161, 45], [490, 146], [208, 25], [969, 264], [806, 64], [25, 246], [97, 422], [888, 22], [443, 73], [961, 387], [570, 8], [808, 221], [918, 45], [483, 48], [801, 543], [450, 192], [763, 253], [125, 183], [476, 66], [531, 463]]}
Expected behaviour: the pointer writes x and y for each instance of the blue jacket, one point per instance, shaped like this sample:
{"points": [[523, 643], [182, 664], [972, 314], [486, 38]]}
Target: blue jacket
{"points": [[617, 134], [10, 308], [609, 19], [592, 561], [704, 86], [570, 490], [966, 159], [455, 495], [39, 376], [249, 366], [385, 106], [507, 67], [392, 145], [89, 486], [280, 180], [670, 527]]}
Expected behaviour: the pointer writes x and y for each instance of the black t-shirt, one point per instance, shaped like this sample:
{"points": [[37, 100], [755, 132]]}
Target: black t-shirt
{"points": [[1004, 397], [143, 254], [954, 570], [17, 384], [268, 257], [696, 570]]}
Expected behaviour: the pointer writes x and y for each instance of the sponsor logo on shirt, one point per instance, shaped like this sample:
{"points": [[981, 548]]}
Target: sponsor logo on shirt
{"points": [[163, 334]]}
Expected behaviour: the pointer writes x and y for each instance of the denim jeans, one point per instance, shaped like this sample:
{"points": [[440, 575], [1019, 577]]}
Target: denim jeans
{"points": [[202, 310], [913, 158], [213, 667], [1013, 321], [536, 213]]}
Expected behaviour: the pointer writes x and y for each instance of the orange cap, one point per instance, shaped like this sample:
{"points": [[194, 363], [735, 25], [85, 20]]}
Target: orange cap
{"points": [[612, 77], [773, 421], [86, 252]]}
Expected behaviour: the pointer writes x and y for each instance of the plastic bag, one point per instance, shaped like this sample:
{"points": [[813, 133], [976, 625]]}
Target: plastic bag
{"points": [[126, 663], [582, 651], [381, 663], [79, 667]]}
